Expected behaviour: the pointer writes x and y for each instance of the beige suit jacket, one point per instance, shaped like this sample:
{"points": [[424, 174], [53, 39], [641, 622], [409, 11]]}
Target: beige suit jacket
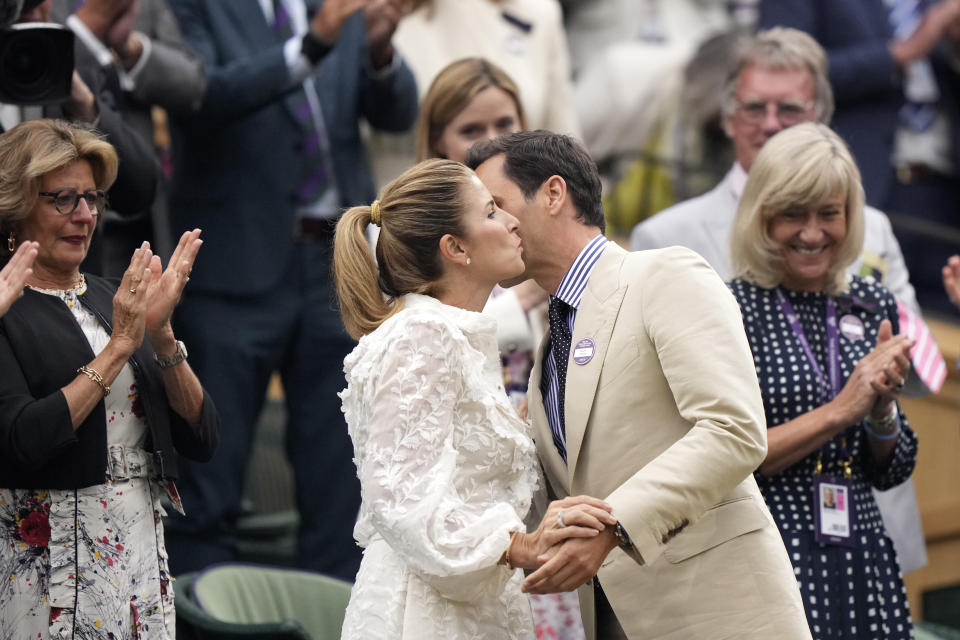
{"points": [[666, 423]]}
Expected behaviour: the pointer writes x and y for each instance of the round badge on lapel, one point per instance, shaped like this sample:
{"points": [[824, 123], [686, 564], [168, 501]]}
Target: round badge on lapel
{"points": [[851, 327], [583, 352]]}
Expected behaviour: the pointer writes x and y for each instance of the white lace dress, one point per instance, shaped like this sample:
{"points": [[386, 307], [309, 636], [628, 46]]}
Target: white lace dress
{"points": [[447, 470]]}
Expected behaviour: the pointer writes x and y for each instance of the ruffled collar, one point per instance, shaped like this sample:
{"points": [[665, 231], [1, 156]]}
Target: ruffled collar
{"points": [[470, 322], [71, 297]]}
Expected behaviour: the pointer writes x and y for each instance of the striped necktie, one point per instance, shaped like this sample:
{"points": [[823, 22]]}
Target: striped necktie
{"points": [[315, 153], [558, 314]]}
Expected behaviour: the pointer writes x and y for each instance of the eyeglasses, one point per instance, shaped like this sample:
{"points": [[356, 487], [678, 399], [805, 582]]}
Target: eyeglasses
{"points": [[788, 113], [67, 200]]}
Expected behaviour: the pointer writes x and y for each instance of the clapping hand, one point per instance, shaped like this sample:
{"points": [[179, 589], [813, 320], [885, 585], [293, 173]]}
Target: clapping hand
{"points": [[14, 275], [951, 279], [889, 385], [168, 284], [382, 18], [99, 16], [878, 378], [130, 301]]}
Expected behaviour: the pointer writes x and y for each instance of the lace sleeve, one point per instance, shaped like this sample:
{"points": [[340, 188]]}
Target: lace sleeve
{"points": [[421, 499]]}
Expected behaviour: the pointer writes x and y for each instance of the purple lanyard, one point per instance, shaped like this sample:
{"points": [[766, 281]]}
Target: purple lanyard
{"points": [[833, 344]]}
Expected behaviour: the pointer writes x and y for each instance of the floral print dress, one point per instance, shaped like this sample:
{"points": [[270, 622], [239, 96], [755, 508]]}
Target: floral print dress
{"points": [[90, 562]]}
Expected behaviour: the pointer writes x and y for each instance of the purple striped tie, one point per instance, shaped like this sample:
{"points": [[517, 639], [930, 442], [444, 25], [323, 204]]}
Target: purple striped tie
{"points": [[315, 154]]}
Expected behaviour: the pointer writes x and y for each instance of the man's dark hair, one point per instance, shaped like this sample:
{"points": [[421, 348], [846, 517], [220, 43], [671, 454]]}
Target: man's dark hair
{"points": [[531, 157]]}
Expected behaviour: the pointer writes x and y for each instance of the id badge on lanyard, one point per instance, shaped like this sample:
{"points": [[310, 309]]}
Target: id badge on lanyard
{"points": [[833, 511], [832, 496]]}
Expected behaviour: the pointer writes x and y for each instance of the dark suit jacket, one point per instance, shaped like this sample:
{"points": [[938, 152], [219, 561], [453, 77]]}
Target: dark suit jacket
{"points": [[41, 347], [236, 161], [139, 172], [867, 84]]}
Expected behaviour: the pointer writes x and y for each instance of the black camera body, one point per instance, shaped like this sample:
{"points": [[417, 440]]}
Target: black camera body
{"points": [[36, 63]]}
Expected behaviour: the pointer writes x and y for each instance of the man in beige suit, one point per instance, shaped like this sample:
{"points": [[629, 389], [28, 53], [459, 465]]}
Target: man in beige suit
{"points": [[644, 394]]}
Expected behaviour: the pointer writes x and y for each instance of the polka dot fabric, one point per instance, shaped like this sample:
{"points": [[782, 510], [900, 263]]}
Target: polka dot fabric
{"points": [[847, 593]]}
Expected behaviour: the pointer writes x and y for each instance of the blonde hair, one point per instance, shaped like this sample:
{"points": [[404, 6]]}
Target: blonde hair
{"points": [[782, 48], [800, 167], [33, 149], [416, 210], [450, 93]]}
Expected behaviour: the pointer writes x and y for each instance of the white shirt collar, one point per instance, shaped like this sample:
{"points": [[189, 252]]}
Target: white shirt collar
{"points": [[738, 180]]}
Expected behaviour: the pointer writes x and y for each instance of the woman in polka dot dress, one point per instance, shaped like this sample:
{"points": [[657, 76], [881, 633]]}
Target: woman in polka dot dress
{"points": [[830, 371]]}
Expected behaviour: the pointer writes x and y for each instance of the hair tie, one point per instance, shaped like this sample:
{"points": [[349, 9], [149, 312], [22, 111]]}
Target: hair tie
{"points": [[375, 212]]}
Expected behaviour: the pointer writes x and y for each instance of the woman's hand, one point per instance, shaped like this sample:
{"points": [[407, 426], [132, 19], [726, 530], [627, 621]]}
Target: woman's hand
{"points": [[168, 283], [583, 517], [889, 386], [951, 279], [877, 379], [14, 275], [130, 302]]}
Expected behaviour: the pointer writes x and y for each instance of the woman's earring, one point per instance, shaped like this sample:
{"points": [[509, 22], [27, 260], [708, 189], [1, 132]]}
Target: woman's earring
{"points": [[468, 259], [12, 242]]}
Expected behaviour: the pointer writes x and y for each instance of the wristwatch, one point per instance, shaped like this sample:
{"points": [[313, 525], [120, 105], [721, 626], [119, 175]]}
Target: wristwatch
{"points": [[623, 538], [178, 356]]}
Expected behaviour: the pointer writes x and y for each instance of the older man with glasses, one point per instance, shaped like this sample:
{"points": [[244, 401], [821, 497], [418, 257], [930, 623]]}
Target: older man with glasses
{"points": [[778, 80]]}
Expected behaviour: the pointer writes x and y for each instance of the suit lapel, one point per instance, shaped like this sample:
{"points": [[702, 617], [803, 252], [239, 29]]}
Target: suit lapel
{"points": [[595, 320], [250, 21]]}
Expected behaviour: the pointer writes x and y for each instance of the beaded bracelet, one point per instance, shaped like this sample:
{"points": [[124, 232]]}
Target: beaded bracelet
{"points": [[96, 377]]}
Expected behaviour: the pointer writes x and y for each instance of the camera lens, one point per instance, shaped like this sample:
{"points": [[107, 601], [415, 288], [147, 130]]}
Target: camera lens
{"points": [[36, 63], [25, 66]]}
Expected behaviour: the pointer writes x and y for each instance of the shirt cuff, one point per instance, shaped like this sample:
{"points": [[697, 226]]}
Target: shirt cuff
{"points": [[298, 65], [130, 77], [387, 71], [90, 41]]}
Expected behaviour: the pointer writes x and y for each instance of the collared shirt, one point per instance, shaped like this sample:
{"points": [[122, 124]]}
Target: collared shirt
{"points": [[128, 79], [301, 71], [738, 180], [571, 290]]}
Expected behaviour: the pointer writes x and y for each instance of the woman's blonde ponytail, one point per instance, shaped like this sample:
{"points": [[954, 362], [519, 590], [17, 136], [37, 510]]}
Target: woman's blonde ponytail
{"points": [[362, 303]]}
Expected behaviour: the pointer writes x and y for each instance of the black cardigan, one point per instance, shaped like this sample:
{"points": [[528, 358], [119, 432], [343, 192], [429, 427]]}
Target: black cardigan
{"points": [[41, 348]]}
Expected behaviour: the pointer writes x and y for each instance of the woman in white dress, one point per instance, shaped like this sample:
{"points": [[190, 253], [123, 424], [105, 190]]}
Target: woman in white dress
{"points": [[473, 100], [447, 468]]}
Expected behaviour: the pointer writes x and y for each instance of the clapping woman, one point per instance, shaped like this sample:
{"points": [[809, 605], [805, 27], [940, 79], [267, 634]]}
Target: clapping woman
{"points": [[831, 370], [96, 399]]}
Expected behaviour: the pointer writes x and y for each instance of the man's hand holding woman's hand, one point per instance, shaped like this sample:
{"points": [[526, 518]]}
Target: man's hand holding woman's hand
{"points": [[580, 517]]}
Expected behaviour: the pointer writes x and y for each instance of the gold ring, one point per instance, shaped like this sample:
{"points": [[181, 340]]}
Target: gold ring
{"points": [[133, 290]]}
